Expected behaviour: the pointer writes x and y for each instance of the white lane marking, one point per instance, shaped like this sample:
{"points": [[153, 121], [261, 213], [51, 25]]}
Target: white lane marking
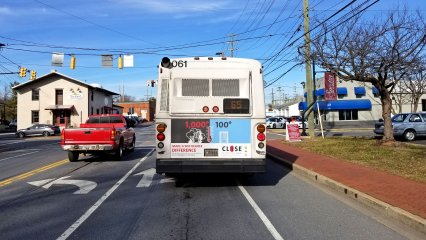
{"points": [[83, 185], [18, 156], [92, 209], [148, 176], [260, 213], [9, 143]]}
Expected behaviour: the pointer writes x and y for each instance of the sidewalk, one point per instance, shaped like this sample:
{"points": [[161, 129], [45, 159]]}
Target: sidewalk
{"points": [[395, 196]]}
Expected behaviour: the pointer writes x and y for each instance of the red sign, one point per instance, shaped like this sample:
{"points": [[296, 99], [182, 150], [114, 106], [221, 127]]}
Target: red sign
{"points": [[330, 86], [293, 132]]}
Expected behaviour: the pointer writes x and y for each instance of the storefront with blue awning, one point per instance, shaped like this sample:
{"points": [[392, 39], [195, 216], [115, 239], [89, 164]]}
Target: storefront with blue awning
{"points": [[356, 105]]}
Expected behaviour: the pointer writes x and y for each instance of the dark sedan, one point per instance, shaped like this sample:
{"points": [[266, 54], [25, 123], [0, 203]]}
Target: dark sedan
{"points": [[38, 129]]}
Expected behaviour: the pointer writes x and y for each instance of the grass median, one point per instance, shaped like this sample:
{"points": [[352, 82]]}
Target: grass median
{"points": [[401, 159]]}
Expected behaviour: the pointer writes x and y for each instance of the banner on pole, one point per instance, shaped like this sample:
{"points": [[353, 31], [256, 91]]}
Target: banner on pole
{"points": [[330, 86]]}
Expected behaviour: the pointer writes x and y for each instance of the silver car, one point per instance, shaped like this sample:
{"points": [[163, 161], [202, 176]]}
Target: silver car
{"points": [[38, 129], [405, 125]]}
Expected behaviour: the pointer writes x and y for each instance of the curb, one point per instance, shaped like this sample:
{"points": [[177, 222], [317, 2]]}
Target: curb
{"points": [[398, 214]]}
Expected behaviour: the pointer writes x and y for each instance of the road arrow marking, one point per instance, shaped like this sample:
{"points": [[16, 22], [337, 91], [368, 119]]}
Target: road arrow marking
{"points": [[148, 178], [83, 185]]}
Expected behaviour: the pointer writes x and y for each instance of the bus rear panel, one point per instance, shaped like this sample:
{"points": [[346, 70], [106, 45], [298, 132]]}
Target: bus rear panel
{"points": [[208, 118]]}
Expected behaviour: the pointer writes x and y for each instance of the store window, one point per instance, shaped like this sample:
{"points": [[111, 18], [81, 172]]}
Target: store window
{"points": [[35, 96], [34, 116], [348, 115]]}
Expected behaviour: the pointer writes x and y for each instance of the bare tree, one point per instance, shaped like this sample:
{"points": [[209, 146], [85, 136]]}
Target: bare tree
{"points": [[415, 86], [380, 52]]}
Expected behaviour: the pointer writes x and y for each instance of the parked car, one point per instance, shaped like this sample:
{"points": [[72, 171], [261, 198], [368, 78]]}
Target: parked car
{"points": [[38, 129], [405, 125], [12, 124], [275, 122]]}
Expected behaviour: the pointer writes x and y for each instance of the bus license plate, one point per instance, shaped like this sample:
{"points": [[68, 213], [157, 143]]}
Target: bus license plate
{"points": [[211, 152]]}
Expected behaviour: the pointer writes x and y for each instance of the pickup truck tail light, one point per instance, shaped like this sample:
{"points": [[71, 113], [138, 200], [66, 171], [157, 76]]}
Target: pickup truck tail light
{"points": [[62, 137], [113, 134]]}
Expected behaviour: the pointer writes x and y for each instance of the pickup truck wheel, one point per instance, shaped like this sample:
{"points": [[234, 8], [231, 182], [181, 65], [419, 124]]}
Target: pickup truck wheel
{"points": [[409, 135], [46, 134], [119, 152], [73, 156], [132, 148]]}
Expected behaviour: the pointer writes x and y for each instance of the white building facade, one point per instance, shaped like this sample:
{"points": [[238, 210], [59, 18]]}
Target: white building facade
{"points": [[60, 100], [357, 104]]}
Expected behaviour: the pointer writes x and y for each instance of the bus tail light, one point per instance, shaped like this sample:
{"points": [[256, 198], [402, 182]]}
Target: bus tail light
{"points": [[261, 128], [161, 127], [161, 136], [261, 137], [205, 109], [215, 109]]}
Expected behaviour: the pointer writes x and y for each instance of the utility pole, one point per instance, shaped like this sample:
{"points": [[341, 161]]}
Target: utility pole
{"points": [[280, 96], [232, 45], [272, 98], [309, 83]]}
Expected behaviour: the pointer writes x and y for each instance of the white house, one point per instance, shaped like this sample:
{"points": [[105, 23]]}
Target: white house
{"points": [[61, 100]]}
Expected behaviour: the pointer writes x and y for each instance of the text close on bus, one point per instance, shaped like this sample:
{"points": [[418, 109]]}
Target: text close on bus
{"points": [[210, 115]]}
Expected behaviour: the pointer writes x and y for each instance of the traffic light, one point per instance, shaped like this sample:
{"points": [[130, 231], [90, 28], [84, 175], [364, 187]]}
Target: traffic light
{"points": [[23, 72], [33, 75], [152, 83], [72, 62], [120, 62]]}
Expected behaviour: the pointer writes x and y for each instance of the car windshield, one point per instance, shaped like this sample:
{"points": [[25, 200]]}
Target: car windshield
{"points": [[272, 120], [399, 117]]}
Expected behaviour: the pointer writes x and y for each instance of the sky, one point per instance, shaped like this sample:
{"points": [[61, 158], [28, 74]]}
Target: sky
{"points": [[149, 30]]}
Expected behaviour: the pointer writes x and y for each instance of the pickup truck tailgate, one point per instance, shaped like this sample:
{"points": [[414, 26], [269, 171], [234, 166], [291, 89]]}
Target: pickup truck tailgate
{"points": [[87, 135]]}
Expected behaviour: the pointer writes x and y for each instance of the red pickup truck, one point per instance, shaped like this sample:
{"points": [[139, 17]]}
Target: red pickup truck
{"points": [[101, 133]]}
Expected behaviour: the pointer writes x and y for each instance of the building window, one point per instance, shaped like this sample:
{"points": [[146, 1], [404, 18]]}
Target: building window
{"points": [[131, 110], [59, 93], [35, 94], [34, 116], [91, 96], [348, 115], [97, 110], [423, 105], [91, 113]]}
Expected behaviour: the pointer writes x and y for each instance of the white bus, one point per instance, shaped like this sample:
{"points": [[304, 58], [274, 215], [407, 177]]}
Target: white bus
{"points": [[210, 116]]}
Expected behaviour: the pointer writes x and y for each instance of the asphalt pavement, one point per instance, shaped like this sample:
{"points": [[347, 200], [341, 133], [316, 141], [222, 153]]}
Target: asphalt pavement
{"points": [[44, 196]]}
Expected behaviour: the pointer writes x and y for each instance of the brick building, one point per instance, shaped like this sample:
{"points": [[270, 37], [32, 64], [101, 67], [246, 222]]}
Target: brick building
{"points": [[143, 109]]}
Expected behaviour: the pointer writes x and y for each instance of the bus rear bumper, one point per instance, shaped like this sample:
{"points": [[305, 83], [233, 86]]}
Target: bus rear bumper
{"points": [[211, 166]]}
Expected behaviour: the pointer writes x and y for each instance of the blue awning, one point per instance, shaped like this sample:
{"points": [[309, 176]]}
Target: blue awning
{"points": [[320, 92], [359, 104], [375, 90], [359, 90], [342, 91]]}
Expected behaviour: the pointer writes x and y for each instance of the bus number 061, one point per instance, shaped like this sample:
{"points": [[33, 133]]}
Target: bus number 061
{"points": [[180, 63]]}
